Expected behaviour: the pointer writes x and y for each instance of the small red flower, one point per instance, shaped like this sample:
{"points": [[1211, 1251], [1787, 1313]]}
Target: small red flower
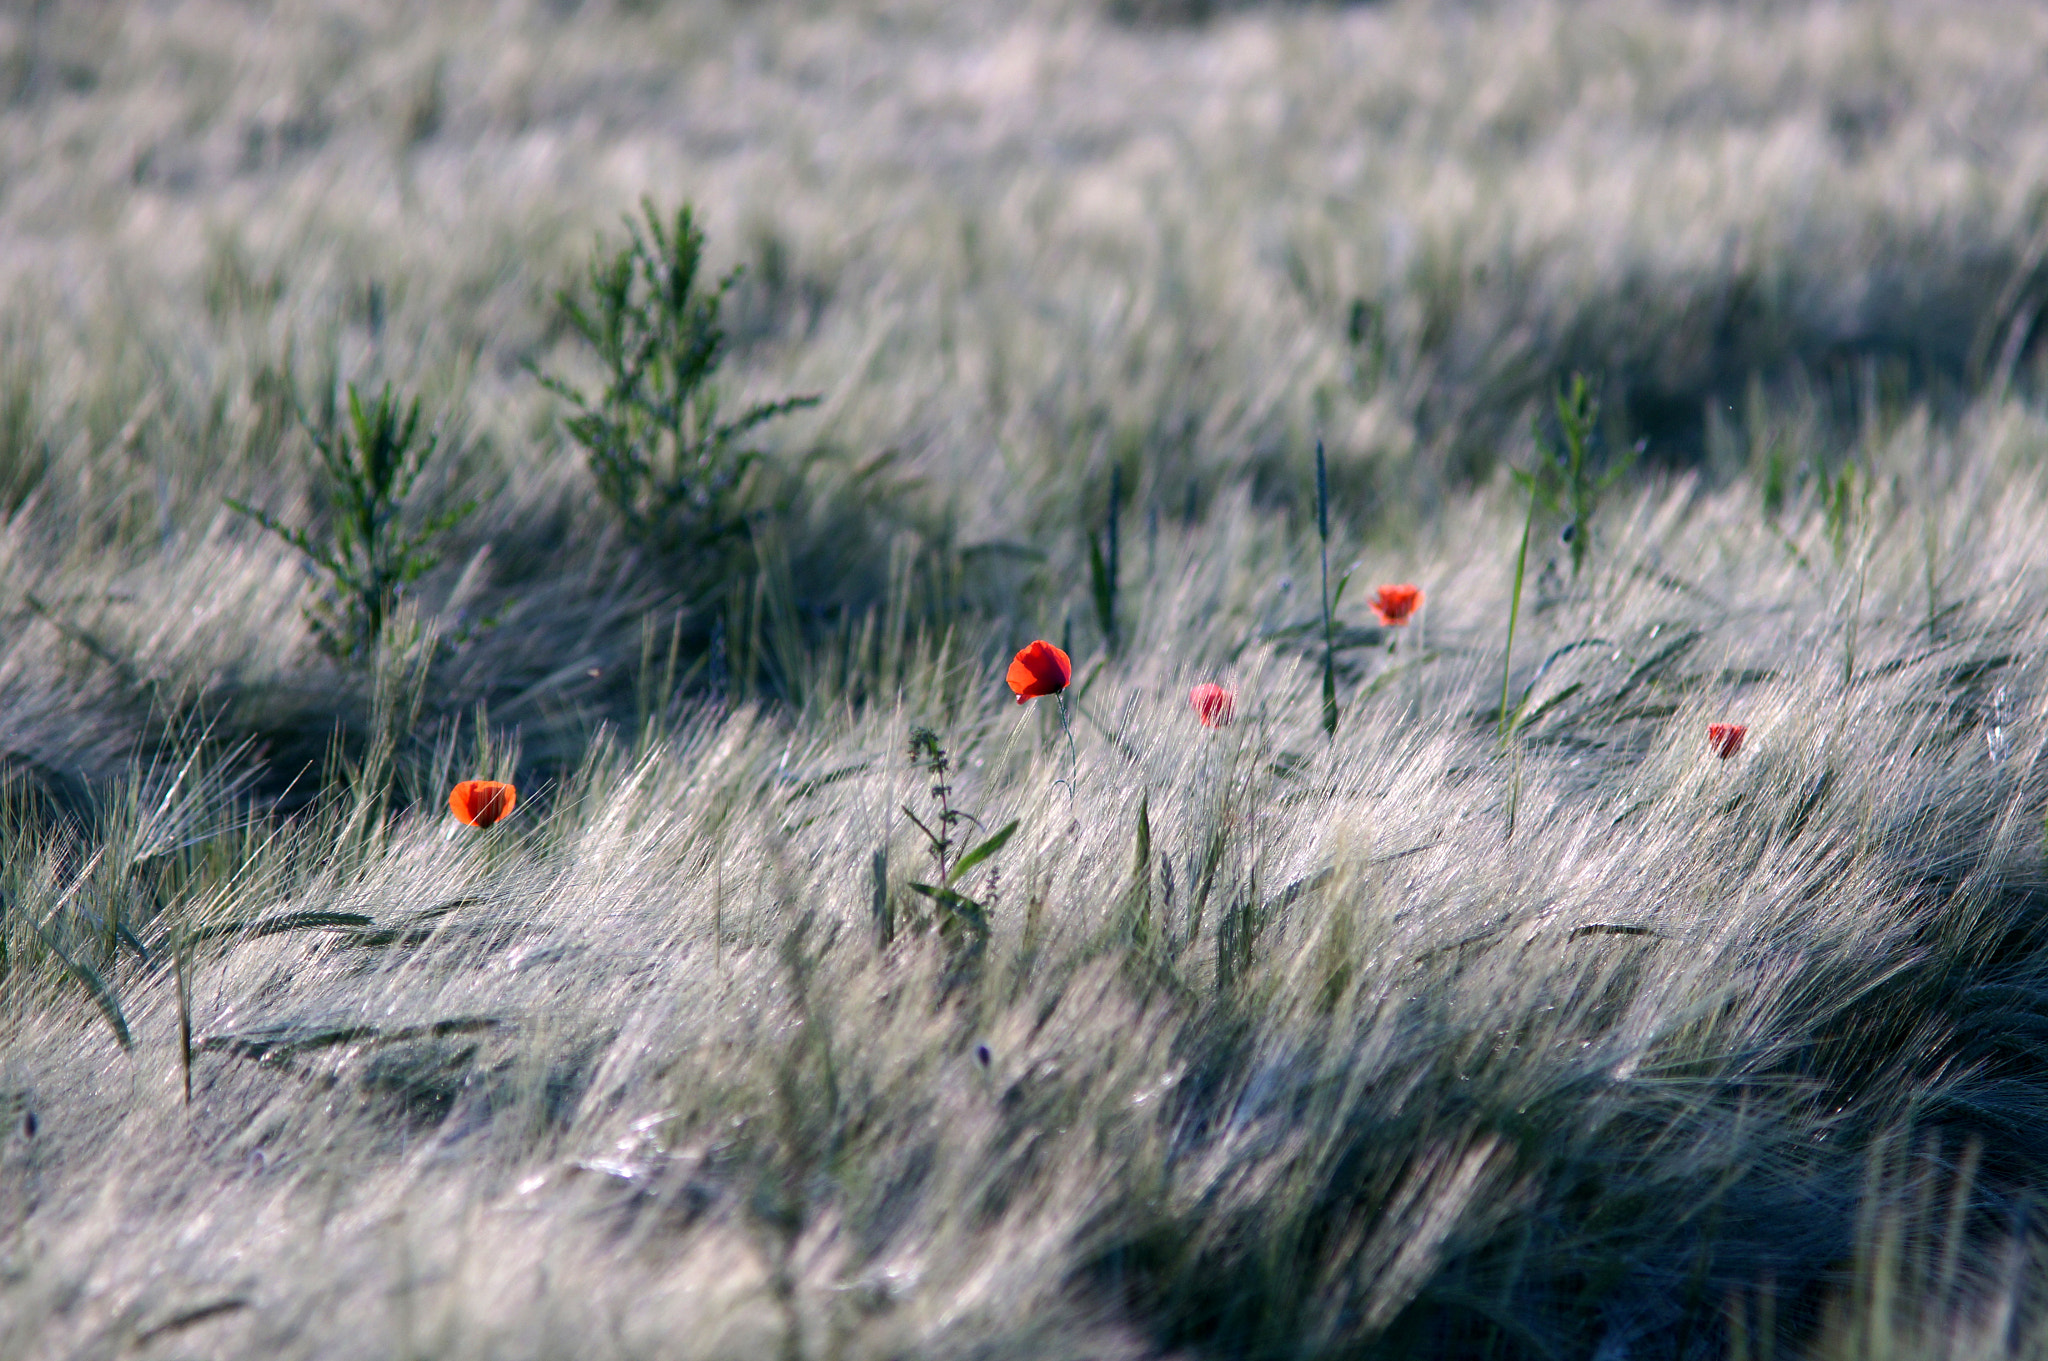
{"points": [[1213, 704], [1726, 738], [1040, 669], [1393, 604], [479, 803]]}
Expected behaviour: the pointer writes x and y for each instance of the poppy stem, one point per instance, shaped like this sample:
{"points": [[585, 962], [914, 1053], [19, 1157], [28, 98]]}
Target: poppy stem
{"points": [[1073, 756]]}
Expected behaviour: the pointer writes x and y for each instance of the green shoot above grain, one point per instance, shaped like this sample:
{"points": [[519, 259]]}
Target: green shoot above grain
{"points": [[673, 471], [368, 470]]}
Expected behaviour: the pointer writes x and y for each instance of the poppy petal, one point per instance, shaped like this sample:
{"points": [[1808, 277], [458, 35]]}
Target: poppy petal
{"points": [[1394, 604], [1213, 705], [1725, 739], [479, 803], [1039, 669]]}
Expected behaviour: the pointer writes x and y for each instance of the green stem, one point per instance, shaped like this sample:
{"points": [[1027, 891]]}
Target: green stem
{"points": [[1073, 756], [1514, 614]]}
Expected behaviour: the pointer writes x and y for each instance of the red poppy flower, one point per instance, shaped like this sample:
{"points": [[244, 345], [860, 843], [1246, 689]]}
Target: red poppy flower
{"points": [[1040, 669], [1213, 704], [1393, 604], [1726, 738], [479, 803]]}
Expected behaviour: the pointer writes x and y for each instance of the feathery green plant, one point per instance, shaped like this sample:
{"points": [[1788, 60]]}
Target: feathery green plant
{"points": [[664, 460], [369, 555]]}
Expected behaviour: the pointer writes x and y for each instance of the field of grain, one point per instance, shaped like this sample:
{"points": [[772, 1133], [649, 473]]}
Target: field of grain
{"points": [[1458, 997]]}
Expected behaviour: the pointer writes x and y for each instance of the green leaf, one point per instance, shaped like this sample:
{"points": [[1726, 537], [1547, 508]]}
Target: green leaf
{"points": [[1100, 587], [1611, 929], [1143, 860], [272, 926], [1553, 658], [830, 777], [94, 985], [962, 909], [273, 1043], [102, 995], [1394, 673], [994, 842], [1337, 596], [1523, 715], [1507, 660], [1662, 658]]}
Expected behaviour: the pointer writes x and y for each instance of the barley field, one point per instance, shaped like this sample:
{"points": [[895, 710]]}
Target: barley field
{"points": [[1638, 951]]}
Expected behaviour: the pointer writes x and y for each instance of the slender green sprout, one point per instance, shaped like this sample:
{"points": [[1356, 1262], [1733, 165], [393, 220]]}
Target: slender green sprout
{"points": [[1507, 660], [367, 558]]}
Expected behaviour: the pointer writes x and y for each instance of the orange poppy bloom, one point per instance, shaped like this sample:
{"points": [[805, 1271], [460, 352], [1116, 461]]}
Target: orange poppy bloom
{"points": [[479, 803], [1726, 738], [1393, 604], [1040, 669], [1213, 704]]}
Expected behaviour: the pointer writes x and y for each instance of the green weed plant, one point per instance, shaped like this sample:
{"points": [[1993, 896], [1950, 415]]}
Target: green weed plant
{"points": [[666, 460], [1564, 482], [963, 921], [373, 543]]}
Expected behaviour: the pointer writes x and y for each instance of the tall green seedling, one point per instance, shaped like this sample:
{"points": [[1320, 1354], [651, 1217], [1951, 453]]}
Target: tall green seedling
{"points": [[1563, 481], [664, 456], [372, 545], [1578, 414]]}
